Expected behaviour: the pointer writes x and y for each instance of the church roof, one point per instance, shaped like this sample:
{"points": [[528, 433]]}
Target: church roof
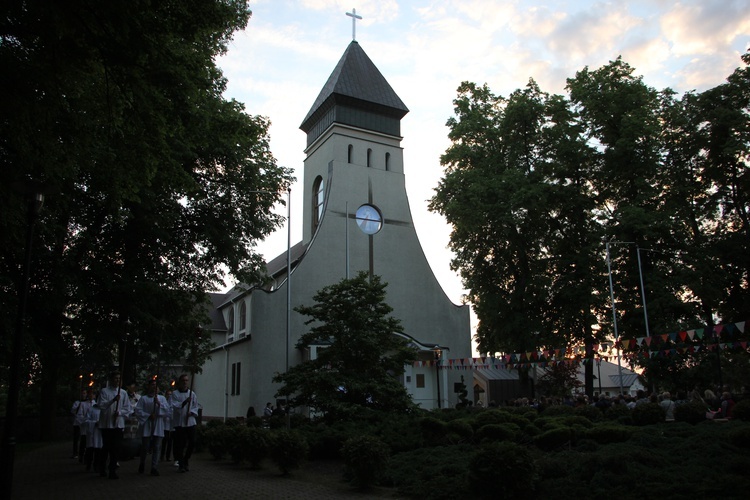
{"points": [[355, 82]]}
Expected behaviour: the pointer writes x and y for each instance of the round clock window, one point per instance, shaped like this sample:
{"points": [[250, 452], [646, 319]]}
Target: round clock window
{"points": [[369, 219]]}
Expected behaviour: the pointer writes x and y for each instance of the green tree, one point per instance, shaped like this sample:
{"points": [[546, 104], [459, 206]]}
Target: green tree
{"points": [[494, 196], [534, 183], [361, 355], [118, 107]]}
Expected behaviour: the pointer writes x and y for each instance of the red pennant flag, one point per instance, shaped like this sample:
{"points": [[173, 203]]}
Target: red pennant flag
{"points": [[683, 335]]}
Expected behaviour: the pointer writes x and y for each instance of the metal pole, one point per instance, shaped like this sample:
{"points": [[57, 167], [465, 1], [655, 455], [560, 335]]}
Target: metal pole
{"points": [[643, 290], [346, 232], [288, 285], [614, 315]]}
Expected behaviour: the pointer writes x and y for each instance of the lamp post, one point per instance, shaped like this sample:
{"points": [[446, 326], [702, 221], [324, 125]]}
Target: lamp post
{"points": [[438, 354], [35, 203]]}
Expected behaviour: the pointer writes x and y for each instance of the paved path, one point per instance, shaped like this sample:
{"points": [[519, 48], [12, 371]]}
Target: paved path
{"points": [[48, 472]]}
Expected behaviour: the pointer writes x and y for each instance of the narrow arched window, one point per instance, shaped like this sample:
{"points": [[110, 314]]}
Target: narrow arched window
{"points": [[349, 153], [230, 324], [243, 316], [369, 157], [388, 161], [318, 197]]}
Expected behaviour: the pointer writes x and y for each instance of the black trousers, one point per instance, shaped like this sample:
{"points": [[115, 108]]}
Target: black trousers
{"points": [[166, 445], [184, 442], [76, 439], [112, 440]]}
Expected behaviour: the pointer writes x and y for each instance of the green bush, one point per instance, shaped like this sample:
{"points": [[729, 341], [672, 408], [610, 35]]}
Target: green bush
{"points": [[433, 430], [648, 414], [577, 420], [558, 410], [692, 413], [434, 473], [232, 422], [365, 459], [592, 413], [549, 423], [459, 431], [236, 442], [739, 437], [554, 438], [215, 439], [741, 410], [497, 432], [491, 416], [501, 470], [619, 413], [254, 421], [249, 444], [397, 431], [287, 450], [325, 440], [608, 433]]}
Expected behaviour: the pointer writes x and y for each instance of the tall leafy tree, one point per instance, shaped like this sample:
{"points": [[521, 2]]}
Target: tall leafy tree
{"points": [[361, 355], [118, 108], [725, 110], [494, 196], [534, 183]]}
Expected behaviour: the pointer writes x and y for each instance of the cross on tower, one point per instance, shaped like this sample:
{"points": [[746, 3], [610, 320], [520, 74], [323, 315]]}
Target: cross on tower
{"points": [[354, 16]]}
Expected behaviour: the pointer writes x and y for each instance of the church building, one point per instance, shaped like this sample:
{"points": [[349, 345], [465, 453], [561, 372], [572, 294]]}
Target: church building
{"points": [[356, 217]]}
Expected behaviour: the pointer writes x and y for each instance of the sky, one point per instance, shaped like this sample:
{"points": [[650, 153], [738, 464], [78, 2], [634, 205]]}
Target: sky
{"points": [[426, 48]]}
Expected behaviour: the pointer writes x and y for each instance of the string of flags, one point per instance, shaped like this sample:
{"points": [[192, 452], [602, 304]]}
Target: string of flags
{"points": [[711, 338]]}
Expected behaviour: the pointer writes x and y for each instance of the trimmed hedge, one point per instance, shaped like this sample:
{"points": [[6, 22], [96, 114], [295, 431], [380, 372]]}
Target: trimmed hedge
{"points": [[501, 470], [365, 459]]}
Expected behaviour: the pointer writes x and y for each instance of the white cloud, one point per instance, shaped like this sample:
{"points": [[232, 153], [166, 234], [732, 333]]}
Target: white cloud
{"points": [[587, 37], [706, 27]]}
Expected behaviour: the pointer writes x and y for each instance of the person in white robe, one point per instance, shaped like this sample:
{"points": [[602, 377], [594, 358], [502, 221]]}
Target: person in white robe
{"points": [[150, 412], [184, 417], [114, 407]]}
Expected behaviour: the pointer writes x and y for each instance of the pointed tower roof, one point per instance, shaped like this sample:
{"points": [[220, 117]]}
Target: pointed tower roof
{"points": [[355, 94]]}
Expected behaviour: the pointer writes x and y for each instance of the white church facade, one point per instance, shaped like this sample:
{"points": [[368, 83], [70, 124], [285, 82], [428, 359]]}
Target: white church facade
{"points": [[356, 217]]}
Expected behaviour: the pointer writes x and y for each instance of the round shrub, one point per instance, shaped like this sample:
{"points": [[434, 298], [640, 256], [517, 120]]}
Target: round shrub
{"points": [[741, 410], [365, 459], [215, 439], [692, 413], [739, 437], [592, 413], [648, 414], [557, 410], [459, 431], [433, 430], [236, 443], [496, 432], [576, 420], [255, 446], [254, 421], [606, 434], [501, 470], [287, 449], [554, 438], [488, 417], [620, 413]]}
